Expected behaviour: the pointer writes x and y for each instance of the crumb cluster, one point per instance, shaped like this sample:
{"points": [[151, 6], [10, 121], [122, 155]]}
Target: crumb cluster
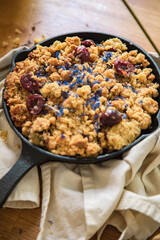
{"points": [[16, 42], [4, 135]]}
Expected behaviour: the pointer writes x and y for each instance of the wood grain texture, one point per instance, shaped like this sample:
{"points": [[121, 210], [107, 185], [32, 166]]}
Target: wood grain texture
{"points": [[148, 12], [16, 224], [52, 17]]}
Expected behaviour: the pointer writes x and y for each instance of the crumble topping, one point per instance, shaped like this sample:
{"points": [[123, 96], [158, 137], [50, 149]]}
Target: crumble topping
{"points": [[81, 98]]}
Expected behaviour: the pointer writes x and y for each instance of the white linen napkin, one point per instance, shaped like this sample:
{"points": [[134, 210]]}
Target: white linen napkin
{"points": [[79, 200]]}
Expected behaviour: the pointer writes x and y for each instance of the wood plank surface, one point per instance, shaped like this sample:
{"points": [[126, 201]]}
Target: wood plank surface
{"points": [[17, 224], [148, 12], [51, 17]]}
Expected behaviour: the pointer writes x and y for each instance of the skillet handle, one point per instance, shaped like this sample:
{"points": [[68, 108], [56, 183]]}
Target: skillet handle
{"points": [[27, 160]]}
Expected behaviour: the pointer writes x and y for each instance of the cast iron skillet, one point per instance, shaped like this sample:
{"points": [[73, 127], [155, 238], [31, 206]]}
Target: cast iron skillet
{"points": [[32, 155]]}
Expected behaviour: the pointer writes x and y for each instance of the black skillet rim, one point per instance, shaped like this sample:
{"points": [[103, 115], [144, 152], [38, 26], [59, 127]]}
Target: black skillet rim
{"points": [[104, 36]]}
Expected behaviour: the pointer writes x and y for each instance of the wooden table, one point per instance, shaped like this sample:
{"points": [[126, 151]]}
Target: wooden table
{"points": [[51, 17], [149, 16]]}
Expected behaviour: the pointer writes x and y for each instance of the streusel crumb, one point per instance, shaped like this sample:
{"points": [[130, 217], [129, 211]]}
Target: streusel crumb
{"points": [[4, 135], [4, 44], [16, 42]]}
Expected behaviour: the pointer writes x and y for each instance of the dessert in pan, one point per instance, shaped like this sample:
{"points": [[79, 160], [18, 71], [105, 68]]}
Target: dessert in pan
{"points": [[79, 97]]}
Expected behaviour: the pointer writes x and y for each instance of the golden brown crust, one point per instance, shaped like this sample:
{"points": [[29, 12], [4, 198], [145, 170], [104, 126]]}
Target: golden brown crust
{"points": [[76, 93]]}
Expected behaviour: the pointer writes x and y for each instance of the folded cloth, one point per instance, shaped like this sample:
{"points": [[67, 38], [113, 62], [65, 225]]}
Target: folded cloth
{"points": [[79, 200]]}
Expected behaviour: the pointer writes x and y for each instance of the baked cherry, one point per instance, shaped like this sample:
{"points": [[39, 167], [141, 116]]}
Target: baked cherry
{"points": [[110, 118], [123, 67], [112, 49], [29, 83], [83, 53], [88, 42], [35, 103]]}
